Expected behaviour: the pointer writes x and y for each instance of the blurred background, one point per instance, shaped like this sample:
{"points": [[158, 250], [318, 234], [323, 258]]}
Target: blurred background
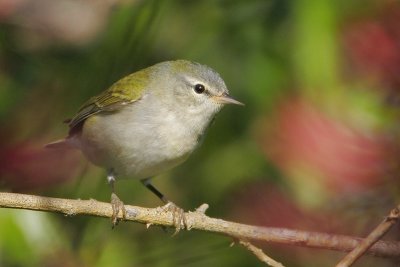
{"points": [[315, 148]]}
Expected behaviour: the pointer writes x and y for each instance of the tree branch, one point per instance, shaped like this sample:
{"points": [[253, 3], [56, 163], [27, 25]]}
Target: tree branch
{"points": [[198, 221], [372, 238], [260, 254]]}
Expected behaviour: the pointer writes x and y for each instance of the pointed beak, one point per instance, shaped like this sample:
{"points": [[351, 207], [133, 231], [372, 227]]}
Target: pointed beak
{"points": [[227, 99]]}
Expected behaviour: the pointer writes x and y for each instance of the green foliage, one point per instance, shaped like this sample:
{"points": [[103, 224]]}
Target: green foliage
{"points": [[268, 52]]}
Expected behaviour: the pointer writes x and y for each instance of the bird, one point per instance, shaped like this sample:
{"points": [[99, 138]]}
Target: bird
{"points": [[147, 123]]}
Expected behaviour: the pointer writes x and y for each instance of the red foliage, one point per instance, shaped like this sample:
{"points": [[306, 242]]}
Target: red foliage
{"points": [[373, 46], [29, 166], [347, 159], [266, 205]]}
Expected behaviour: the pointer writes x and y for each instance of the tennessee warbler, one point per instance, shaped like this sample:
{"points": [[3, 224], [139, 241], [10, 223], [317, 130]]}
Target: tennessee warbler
{"points": [[148, 122]]}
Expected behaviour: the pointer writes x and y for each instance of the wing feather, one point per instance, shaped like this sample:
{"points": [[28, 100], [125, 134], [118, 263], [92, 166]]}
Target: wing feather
{"points": [[125, 91]]}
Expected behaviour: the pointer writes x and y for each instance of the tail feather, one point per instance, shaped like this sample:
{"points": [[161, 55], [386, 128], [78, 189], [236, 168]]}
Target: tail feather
{"points": [[59, 144]]}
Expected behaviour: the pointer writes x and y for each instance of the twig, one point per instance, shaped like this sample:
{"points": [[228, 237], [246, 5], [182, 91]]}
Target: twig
{"points": [[199, 221], [260, 254], [371, 239]]}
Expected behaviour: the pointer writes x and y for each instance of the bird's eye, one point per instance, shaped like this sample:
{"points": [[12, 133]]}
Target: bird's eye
{"points": [[199, 88]]}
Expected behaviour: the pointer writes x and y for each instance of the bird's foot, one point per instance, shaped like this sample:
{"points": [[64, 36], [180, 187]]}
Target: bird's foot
{"points": [[117, 205], [178, 215]]}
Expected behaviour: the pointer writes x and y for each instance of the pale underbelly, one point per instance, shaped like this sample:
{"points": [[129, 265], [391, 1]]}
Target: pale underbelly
{"points": [[136, 153]]}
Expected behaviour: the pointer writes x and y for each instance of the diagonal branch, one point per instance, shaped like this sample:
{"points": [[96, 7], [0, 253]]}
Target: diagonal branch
{"points": [[260, 254], [199, 221], [372, 238]]}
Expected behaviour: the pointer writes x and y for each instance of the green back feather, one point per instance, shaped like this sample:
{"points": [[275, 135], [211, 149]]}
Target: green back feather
{"points": [[125, 91]]}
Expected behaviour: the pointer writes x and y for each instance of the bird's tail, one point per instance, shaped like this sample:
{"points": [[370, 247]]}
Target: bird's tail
{"points": [[59, 144]]}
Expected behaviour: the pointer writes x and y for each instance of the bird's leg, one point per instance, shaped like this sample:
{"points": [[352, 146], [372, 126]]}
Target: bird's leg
{"points": [[116, 203], [179, 219]]}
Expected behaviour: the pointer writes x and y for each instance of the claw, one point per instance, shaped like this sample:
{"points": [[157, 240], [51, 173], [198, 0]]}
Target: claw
{"points": [[117, 205], [178, 216]]}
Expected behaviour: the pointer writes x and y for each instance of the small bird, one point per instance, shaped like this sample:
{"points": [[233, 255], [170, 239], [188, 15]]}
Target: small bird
{"points": [[148, 122]]}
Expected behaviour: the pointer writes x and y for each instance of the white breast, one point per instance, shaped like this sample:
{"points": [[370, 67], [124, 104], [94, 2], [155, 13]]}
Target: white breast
{"points": [[140, 140]]}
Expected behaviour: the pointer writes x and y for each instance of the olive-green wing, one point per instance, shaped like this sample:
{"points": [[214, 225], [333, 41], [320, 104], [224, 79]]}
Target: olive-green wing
{"points": [[127, 90]]}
